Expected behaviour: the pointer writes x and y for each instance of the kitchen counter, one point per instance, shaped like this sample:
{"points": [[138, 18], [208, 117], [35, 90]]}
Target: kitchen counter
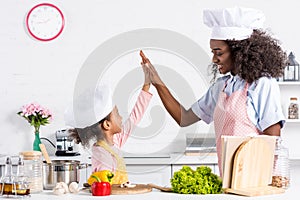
{"points": [[177, 159], [290, 193]]}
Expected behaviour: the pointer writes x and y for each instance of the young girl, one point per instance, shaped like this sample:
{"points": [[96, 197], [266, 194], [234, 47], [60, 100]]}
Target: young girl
{"points": [[109, 134]]}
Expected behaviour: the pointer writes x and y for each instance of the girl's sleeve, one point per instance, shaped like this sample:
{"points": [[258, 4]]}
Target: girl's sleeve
{"points": [[134, 118]]}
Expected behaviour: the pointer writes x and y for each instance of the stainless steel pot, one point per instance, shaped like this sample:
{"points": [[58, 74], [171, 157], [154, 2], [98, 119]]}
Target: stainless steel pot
{"points": [[61, 171]]}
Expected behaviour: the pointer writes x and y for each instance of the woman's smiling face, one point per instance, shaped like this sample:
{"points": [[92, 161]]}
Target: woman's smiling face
{"points": [[221, 56]]}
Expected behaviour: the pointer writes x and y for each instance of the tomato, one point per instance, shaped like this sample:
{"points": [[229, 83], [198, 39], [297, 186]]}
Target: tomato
{"points": [[101, 189]]}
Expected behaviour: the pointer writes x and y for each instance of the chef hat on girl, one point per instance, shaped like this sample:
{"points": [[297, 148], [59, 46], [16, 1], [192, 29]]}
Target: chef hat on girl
{"points": [[233, 23], [89, 107]]}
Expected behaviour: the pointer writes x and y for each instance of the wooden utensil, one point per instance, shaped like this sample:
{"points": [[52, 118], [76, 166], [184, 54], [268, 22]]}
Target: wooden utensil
{"points": [[138, 189], [45, 153], [163, 189]]}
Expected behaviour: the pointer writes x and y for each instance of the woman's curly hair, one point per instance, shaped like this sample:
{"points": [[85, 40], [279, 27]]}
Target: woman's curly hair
{"points": [[255, 57]]}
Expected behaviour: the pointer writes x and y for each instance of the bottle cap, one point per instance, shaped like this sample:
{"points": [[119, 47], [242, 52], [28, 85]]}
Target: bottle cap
{"points": [[8, 161], [20, 161]]}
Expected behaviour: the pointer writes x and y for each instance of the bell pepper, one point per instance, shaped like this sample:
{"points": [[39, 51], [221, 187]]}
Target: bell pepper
{"points": [[104, 176], [100, 188]]}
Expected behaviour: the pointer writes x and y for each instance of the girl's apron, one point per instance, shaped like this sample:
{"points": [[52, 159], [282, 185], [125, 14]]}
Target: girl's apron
{"points": [[231, 118], [120, 175]]}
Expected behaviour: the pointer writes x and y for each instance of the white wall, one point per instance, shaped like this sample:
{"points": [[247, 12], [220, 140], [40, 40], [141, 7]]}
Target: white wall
{"points": [[46, 72]]}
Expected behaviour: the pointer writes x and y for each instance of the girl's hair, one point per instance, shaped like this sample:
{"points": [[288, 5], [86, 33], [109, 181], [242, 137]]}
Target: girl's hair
{"points": [[88, 135], [255, 57]]}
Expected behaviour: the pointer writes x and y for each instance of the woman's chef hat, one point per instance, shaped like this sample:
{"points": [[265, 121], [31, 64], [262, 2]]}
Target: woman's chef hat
{"points": [[233, 23], [90, 107]]}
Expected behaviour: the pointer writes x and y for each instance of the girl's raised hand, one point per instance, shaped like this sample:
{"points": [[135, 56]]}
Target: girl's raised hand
{"points": [[146, 70], [144, 58]]}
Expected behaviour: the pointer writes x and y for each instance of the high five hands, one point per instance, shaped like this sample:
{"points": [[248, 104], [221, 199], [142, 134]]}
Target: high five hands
{"points": [[149, 70]]}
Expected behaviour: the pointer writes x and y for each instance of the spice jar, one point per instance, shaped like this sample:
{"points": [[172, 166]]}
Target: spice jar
{"points": [[281, 169], [293, 108], [33, 170]]}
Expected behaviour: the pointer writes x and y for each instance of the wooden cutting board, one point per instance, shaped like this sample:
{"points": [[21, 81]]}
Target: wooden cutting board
{"points": [[229, 146], [253, 164], [138, 189]]}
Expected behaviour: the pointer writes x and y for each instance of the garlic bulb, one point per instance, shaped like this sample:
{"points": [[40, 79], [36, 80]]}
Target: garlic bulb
{"points": [[58, 191], [60, 188], [73, 187]]}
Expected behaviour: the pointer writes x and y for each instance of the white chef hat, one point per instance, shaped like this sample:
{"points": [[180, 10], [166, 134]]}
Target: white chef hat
{"points": [[233, 23], [90, 107]]}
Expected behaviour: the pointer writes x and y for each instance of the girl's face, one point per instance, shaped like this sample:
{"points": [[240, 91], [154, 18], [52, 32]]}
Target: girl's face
{"points": [[116, 120], [221, 56]]}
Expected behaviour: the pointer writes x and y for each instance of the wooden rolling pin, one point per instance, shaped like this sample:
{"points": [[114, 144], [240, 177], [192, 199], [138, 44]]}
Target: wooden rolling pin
{"points": [[45, 153]]}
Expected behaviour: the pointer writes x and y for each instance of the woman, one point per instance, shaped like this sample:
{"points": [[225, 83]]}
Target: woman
{"points": [[245, 101]]}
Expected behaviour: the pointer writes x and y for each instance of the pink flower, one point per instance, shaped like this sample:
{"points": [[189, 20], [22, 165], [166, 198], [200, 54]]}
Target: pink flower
{"points": [[36, 115], [45, 113]]}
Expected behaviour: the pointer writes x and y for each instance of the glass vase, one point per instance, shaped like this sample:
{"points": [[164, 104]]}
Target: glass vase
{"points": [[37, 142]]}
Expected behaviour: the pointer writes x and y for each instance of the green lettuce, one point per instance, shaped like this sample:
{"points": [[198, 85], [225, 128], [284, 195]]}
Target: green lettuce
{"points": [[199, 181]]}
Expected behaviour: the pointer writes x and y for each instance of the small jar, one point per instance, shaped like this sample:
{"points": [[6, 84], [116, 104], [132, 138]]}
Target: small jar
{"points": [[281, 168], [33, 170], [293, 108]]}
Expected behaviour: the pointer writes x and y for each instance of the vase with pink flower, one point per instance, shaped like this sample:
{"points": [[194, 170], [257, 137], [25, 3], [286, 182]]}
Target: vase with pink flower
{"points": [[37, 116]]}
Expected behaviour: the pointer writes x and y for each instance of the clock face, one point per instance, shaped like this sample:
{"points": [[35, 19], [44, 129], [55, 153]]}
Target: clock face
{"points": [[45, 22]]}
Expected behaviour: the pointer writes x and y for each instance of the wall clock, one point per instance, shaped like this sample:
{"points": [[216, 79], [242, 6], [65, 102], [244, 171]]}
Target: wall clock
{"points": [[45, 22]]}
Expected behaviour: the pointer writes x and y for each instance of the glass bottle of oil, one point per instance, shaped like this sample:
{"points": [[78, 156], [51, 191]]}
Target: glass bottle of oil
{"points": [[21, 181], [7, 182]]}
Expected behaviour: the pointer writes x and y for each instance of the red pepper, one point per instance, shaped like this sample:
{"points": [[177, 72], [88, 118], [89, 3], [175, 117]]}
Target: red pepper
{"points": [[100, 188]]}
